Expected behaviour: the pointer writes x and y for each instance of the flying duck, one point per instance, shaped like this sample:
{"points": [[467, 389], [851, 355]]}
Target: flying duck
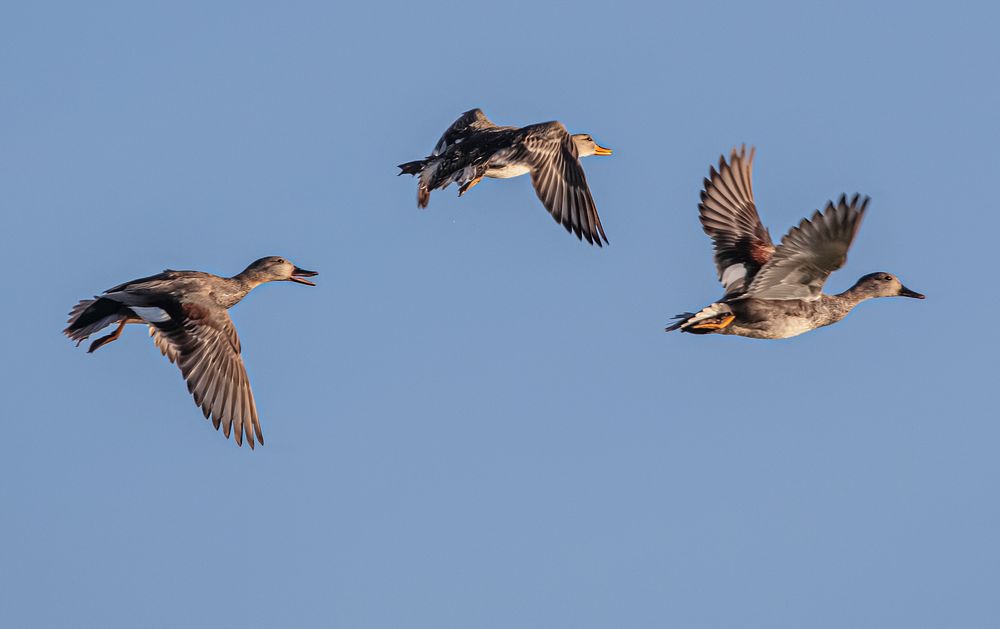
{"points": [[473, 147], [187, 318], [775, 292]]}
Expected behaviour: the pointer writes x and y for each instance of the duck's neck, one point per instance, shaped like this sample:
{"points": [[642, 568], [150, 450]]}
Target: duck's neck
{"points": [[236, 288], [842, 303]]}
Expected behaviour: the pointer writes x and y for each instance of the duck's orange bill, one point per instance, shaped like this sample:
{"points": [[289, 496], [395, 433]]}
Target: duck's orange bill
{"points": [[600, 150]]}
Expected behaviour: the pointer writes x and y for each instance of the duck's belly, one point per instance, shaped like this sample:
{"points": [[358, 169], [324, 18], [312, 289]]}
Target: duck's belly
{"points": [[786, 328], [508, 171]]}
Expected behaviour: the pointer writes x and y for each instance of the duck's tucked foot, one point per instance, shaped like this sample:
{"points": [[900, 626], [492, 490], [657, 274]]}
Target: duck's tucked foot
{"points": [[104, 340], [469, 185], [720, 322], [711, 319]]}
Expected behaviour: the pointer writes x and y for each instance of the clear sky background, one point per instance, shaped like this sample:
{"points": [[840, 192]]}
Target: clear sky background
{"points": [[475, 420]]}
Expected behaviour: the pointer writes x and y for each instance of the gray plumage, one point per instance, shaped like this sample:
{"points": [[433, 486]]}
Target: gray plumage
{"points": [[776, 292], [186, 312]]}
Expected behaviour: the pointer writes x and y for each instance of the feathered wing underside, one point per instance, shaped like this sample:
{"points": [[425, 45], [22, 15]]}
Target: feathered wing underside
{"points": [[163, 344], [470, 122], [203, 343], [810, 252], [559, 180], [201, 340], [729, 217]]}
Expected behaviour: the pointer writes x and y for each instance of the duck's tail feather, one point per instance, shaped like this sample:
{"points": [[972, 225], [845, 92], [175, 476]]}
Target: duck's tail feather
{"points": [[91, 315], [679, 321], [412, 168], [426, 170], [428, 181], [711, 318]]}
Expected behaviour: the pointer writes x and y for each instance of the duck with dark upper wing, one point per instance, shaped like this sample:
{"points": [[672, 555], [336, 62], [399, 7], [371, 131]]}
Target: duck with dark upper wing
{"points": [[187, 318], [473, 147], [775, 292]]}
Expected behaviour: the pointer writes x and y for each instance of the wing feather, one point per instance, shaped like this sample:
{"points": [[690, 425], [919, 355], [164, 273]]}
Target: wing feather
{"points": [[810, 252], [729, 217], [560, 183], [201, 339], [468, 123]]}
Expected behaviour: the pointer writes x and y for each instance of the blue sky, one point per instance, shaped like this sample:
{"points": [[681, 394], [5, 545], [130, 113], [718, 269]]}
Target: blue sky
{"points": [[475, 421]]}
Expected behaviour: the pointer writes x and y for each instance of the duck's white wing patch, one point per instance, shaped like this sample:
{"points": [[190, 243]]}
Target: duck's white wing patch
{"points": [[734, 275], [729, 217], [151, 314], [810, 252]]}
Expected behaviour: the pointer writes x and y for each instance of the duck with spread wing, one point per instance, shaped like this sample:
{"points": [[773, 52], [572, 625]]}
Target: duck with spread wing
{"points": [[473, 147], [775, 292]]}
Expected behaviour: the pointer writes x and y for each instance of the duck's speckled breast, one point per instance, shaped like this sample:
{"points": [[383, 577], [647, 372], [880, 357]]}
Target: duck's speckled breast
{"points": [[778, 319], [775, 329]]}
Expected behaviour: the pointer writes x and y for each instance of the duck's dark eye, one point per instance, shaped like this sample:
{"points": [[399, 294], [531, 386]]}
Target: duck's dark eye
{"points": [[886, 278]]}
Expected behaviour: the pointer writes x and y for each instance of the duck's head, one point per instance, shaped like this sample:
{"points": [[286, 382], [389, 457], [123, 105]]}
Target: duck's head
{"points": [[586, 146], [883, 284], [277, 269]]}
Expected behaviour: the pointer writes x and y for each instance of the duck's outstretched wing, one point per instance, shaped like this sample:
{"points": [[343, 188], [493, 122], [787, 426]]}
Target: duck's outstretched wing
{"points": [[560, 182], [809, 253], [729, 217], [201, 339], [470, 122]]}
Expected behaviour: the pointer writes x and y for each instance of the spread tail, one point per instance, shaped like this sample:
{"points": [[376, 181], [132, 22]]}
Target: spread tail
{"points": [[679, 321], [412, 168], [420, 168], [92, 315], [711, 318]]}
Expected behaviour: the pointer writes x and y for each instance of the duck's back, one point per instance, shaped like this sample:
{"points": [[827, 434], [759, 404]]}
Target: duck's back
{"points": [[480, 146], [167, 282]]}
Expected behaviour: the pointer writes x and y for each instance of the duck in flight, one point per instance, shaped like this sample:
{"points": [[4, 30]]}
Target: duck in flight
{"points": [[473, 147], [187, 318], [775, 292]]}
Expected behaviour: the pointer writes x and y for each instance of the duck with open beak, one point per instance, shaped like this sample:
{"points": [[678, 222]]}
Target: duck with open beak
{"points": [[298, 276]]}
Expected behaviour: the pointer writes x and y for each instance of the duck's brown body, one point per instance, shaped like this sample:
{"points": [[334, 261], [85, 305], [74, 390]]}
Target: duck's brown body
{"points": [[187, 318]]}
